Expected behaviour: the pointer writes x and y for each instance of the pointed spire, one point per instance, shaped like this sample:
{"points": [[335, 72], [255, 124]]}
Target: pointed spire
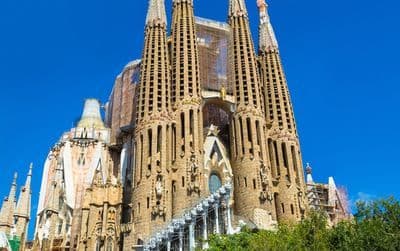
{"points": [[267, 34], [310, 179], [91, 117], [24, 200], [13, 189], [29, 177], [237, 8], [8, 207], [156, 13]]}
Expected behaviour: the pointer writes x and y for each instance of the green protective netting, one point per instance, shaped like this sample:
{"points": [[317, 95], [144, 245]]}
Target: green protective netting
{"points": [[15, 243]]}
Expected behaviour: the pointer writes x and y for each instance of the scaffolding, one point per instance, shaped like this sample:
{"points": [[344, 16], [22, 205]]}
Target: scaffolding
{"points": [[213, 38]]}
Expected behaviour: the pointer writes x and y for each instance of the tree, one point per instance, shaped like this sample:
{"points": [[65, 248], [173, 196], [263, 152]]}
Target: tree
{"points": [[376, 226]]}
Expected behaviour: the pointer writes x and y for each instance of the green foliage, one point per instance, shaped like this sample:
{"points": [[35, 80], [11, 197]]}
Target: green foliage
{"points": [[376, 226]]}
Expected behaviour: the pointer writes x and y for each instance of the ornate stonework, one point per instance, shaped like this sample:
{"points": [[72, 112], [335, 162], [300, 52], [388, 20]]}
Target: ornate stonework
{"points": [[199, 135]]}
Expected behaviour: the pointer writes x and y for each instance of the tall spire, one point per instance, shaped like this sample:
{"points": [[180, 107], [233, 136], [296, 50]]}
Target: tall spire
{"points": [[283, 142], [24, 200], [23, 211], [186, 95], [29, 177], [13, 189], [153, 121], [249, 150], [7, 209], [267, 35], [237, 8], [156, 12]]}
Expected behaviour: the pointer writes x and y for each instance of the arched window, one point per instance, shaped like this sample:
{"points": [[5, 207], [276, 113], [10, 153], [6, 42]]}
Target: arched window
{"points": [[214, 183]]}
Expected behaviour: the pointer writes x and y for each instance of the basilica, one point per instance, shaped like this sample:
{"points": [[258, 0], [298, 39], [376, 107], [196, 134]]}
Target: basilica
{"points": [[198, 138]]}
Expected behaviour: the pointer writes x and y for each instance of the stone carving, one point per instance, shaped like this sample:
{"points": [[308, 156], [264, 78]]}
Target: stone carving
{"points": [[194, 175], [265, 194], [158, 209], [159, 187], [263, 175]]}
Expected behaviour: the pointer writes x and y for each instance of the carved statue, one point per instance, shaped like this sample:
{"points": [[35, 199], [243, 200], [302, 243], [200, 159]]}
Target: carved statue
{"points": [[158, 210], [214, 159], [223, 93], [263, 175], [159, 187], [194, 185]]}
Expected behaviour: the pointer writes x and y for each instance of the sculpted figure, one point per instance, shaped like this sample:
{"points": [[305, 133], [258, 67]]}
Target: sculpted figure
{"points": [[159, 187]]}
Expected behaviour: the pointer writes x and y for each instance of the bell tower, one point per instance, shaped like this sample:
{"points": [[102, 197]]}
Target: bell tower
{"points": [[283, 140], [253, 188], [186, 96], [150, 209]]}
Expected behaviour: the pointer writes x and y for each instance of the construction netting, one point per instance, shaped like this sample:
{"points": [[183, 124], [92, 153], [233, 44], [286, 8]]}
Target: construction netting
{"points": [[213, 40], [15, 243]]}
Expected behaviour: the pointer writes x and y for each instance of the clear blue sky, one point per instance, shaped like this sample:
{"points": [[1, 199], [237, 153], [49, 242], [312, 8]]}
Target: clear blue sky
{"points": [[341, 58]]}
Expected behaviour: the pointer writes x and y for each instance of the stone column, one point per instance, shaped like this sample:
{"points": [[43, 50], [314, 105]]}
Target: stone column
{"points": [[180, 239], [169, 243], [228, 216], [205, 234], [192, 244], [216, 208]]}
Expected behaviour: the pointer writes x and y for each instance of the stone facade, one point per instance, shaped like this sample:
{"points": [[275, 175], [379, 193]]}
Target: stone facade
{"points": [[68, 172], [200, 117]]}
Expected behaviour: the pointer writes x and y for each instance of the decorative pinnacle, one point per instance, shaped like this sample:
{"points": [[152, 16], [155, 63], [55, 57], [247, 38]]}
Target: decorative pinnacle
{"points": [[91, 117], [267, 34], [182, 1], [15, 178], [237, 8], [30, 169], [308, 169], [156, 12], [29, 177]]}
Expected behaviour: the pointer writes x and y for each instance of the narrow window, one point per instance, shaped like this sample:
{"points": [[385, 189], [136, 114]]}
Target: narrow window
{"points": [[254, 184], [278, 170], [150, 137], [284, 154], [292, 208], [276, 200], [241, 135], [159, 138], [283, 208], [141, 156], [258, 132], [271, 157], [173, 187], [173, 142], [249, 132], [148, 202], [183, 125], [245, 181], [296, 169], [183, 131], [191, 121], [183, 181]]}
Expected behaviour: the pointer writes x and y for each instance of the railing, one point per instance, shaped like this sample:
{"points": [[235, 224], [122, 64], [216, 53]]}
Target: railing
{"points": [[211, 214]]}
